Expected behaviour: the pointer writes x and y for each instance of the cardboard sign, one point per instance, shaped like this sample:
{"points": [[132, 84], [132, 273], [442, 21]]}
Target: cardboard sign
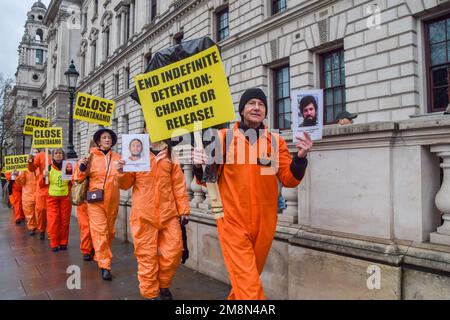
{"points": [[19, 163], [34, 122], [307, 113], [136, 152], [48, 138], [94, 109], [184, 96]]}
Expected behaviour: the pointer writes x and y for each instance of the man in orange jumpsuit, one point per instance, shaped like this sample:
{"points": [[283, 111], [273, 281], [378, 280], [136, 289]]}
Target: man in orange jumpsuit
{"points": [[159, 201], [16, 197], [36, 163], [249, 192], [27, 180], [101, 170]]}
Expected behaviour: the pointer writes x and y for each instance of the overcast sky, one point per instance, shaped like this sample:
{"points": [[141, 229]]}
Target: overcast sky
{"points": [[12, 22]]}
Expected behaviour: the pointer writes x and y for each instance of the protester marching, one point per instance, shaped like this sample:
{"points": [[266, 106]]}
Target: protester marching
{"points": [[242, 169]]}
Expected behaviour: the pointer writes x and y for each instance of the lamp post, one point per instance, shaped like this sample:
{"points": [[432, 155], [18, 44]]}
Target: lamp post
{"points": [[71, 77]]}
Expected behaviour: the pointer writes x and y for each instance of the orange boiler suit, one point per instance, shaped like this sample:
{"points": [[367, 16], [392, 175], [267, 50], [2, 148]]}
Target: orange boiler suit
{"points": [[38, 166], [59, 208], [16, 198], [86, 246], [28, 182], [249, 193], [103, 214], [158, 199]]}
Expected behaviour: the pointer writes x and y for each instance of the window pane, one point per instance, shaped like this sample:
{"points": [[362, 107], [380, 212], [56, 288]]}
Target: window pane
{"points": [[341, 54], [287, 121], [329, 114], [338, 95], [440, 77], [336, 78], [327, 79], [280, 106], [438, 54], [286, 89], [440, 98], [335, 62], [437, 32], [343, 76], [329, 97], [280, 123], [448, 28], [327, 63], [285, 74], [337, 110], [287, 105]]}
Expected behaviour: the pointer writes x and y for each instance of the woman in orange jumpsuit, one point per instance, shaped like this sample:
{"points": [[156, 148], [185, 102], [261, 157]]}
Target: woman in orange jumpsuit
{"points": [[16, 197], [27, 180], [36, 163], [101, 170], [160, 204], [249, 192], [59, 206], [86, 246]]}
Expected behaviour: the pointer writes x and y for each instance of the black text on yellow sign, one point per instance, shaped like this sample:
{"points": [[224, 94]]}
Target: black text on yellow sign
{"points": [[48, 138], [19, 163], [185, 94], [93, 109], [34, 122]]}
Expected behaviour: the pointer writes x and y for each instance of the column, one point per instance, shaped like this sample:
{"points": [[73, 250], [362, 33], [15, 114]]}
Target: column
{"points": [[198, 194], [132, 19], [118, 33], [442, 200], [290, 214], [122, 27], [206, 204]]}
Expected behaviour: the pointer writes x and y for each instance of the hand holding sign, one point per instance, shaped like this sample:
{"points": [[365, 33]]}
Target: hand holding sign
{"points": [[93, 109], [304, 144]]}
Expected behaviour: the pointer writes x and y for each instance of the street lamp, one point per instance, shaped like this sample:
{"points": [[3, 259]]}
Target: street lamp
{"points": [[71, 77]]}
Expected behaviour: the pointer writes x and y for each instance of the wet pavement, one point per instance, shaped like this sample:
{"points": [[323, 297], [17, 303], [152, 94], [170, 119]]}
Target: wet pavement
{"points": [[30, 271]]}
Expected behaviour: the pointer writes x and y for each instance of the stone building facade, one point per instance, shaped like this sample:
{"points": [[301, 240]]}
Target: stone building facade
{"points": [[367, 220], [27, 94]]}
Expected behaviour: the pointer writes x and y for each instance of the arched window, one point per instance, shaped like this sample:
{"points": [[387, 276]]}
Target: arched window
{"points": [[39, 35]]}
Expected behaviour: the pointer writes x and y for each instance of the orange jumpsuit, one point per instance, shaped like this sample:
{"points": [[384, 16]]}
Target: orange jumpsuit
{"points": [[103, 214], [16, 199], [38, 166], [86, 246], [28, 182], [159, 198], [250, 198], [59, 208]]}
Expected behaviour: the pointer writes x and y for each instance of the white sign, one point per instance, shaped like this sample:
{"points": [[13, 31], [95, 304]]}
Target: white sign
{"points": [[136, 152], [68, 167], [307, 113]]}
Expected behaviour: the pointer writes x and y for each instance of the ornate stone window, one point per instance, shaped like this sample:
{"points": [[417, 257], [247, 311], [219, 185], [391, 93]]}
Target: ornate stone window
{"points": [[282, 99], [278, 6], [223, 28]]}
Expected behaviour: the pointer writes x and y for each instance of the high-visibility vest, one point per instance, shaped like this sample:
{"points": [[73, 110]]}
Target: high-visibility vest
{"points": [[58, 187]]}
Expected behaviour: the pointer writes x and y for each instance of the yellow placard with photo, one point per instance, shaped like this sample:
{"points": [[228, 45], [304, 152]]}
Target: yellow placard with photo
{"points": [[34, 122], [93, 109], [190, 94], [48, 138], [12, 163]]}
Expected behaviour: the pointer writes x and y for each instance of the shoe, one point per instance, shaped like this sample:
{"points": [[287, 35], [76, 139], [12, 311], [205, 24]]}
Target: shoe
{"points": [[18, 221], [63, 247], [41, 235], [55, 249], [106, 274], [165, 294], [87, 257], [155, 298], [32, 233]]}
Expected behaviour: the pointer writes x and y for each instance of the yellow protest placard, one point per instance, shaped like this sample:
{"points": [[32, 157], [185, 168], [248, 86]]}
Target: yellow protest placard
{"points": [[185, 94], [19, 163], [34, 122], [48, 138], [93, 109]]}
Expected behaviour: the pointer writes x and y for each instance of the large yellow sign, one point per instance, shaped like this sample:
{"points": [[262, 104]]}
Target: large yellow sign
{"points": [[19, 163], [34, 122], [188, 95], [48, 138], [93, 109]]}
